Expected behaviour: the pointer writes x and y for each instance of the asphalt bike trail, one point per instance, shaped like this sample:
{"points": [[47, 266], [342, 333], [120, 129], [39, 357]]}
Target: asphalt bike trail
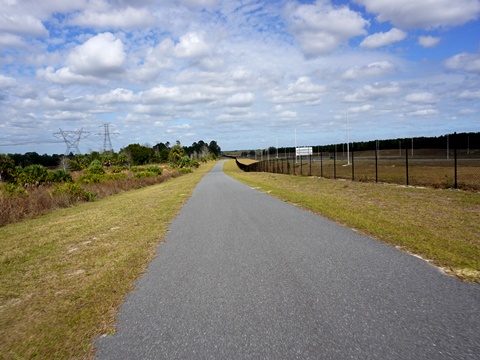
{"points": [[243, 275]]}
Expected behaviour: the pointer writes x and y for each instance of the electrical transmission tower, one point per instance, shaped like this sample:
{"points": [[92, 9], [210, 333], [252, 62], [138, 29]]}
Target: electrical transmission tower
{"points": [[107, 143], [72, 139]]}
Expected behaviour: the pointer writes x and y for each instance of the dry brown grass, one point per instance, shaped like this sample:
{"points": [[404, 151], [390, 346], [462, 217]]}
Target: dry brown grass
{"points": [[38, 201], [64, 275]]}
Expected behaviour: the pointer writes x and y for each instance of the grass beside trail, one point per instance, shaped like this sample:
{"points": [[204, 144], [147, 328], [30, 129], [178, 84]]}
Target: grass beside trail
{"points": [[442, 226], [64, 275]]}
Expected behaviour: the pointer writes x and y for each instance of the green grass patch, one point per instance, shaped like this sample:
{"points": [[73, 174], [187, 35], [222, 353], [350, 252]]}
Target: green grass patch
{"points": [[442, 226], [64, 275]]}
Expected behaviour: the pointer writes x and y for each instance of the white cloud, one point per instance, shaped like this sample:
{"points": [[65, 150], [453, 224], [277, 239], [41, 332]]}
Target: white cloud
{"points": [[192, 45], [6, 81], [468, 94], [114, 18], [157, 58], [101, 55], [374, 91], [22, 24], [382, 39], [374, 69], [424, 112], [428, 41], [424, 97], [240, 100], [288, 114], [320, 28], [65, 77], [360, 109], [9, 40], [408, 14], [301, 91], [118, 95], [464, 61]]}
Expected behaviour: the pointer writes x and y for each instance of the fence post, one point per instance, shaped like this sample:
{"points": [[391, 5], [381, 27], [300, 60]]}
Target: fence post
{"points": [[406, 161], [301, 166], [310, 165], [321, 164], [353, 162], [335, 162], [455, 158], [376, 161]]}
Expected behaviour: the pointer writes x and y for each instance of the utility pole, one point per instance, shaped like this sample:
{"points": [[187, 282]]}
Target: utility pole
{"points": [[107, 143], [72, 139]]}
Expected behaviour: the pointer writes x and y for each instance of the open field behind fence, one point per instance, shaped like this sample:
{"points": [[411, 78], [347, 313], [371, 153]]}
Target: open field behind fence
{"points": [[425, 167]]}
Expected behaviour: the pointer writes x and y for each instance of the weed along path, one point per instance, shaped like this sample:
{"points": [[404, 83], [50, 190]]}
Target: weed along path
{"points": [[243, 275]]}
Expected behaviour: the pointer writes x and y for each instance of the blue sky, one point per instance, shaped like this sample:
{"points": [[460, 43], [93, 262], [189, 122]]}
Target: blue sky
{"points": [[247, 74]]}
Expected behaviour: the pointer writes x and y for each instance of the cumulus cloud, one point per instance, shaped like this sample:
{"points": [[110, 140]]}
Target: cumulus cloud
{"points": [[320, 28], [464, 61], [424, 112], [22, 24], [192, 45], [64, 76], [373, 92], [9, 40], [156, 59], [428, 41], [101, 55], [382, 39], [375, 69], [114, 18], [424, 97], [118, 95], [6, 81], [468, 94], [301, 91], [241, 100], [408, 14], [360, 109]]}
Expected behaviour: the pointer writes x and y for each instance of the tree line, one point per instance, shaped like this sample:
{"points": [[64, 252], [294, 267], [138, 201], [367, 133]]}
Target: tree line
{"points": [[460, 141], [24, 167], [137, 154]]}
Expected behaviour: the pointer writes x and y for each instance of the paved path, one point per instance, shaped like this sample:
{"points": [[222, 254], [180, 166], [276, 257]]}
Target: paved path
{"points": [[243, 275]]}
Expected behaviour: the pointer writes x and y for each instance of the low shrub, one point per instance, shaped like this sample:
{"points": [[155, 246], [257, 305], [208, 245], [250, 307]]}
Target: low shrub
{"points": [[96, 168], [12, 189], [154, 169], [141, 174], [75, 191], [90, 178], [59, 175], [117, 169]]}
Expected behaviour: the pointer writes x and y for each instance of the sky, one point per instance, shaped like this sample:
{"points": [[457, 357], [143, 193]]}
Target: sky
{"points": [[248, 74]]}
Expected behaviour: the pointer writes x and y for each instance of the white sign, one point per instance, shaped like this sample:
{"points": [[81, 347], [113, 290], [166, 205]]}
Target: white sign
{"points": [[303, 151]]}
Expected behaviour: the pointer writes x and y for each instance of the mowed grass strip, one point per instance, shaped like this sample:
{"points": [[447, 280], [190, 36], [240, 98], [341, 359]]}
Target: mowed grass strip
{"points": [[64, 275], [442, 226]]}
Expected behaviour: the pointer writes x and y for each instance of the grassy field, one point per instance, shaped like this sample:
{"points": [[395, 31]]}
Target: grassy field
{"points": [[64, 275], [422, 172], [442, 226]]}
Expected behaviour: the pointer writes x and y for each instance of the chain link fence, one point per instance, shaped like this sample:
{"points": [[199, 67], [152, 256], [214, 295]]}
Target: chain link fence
{"points": [[410, 162]]}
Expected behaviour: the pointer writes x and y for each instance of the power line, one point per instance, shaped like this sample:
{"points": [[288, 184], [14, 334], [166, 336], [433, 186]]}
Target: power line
{"points": [[72, 139], [107, 142]]}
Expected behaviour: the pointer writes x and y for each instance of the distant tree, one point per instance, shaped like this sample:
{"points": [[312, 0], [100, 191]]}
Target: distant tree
{"points": [[33, 175], [139, 155], [65, 164], [7, 168], [176, 153], [214, 148]]}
